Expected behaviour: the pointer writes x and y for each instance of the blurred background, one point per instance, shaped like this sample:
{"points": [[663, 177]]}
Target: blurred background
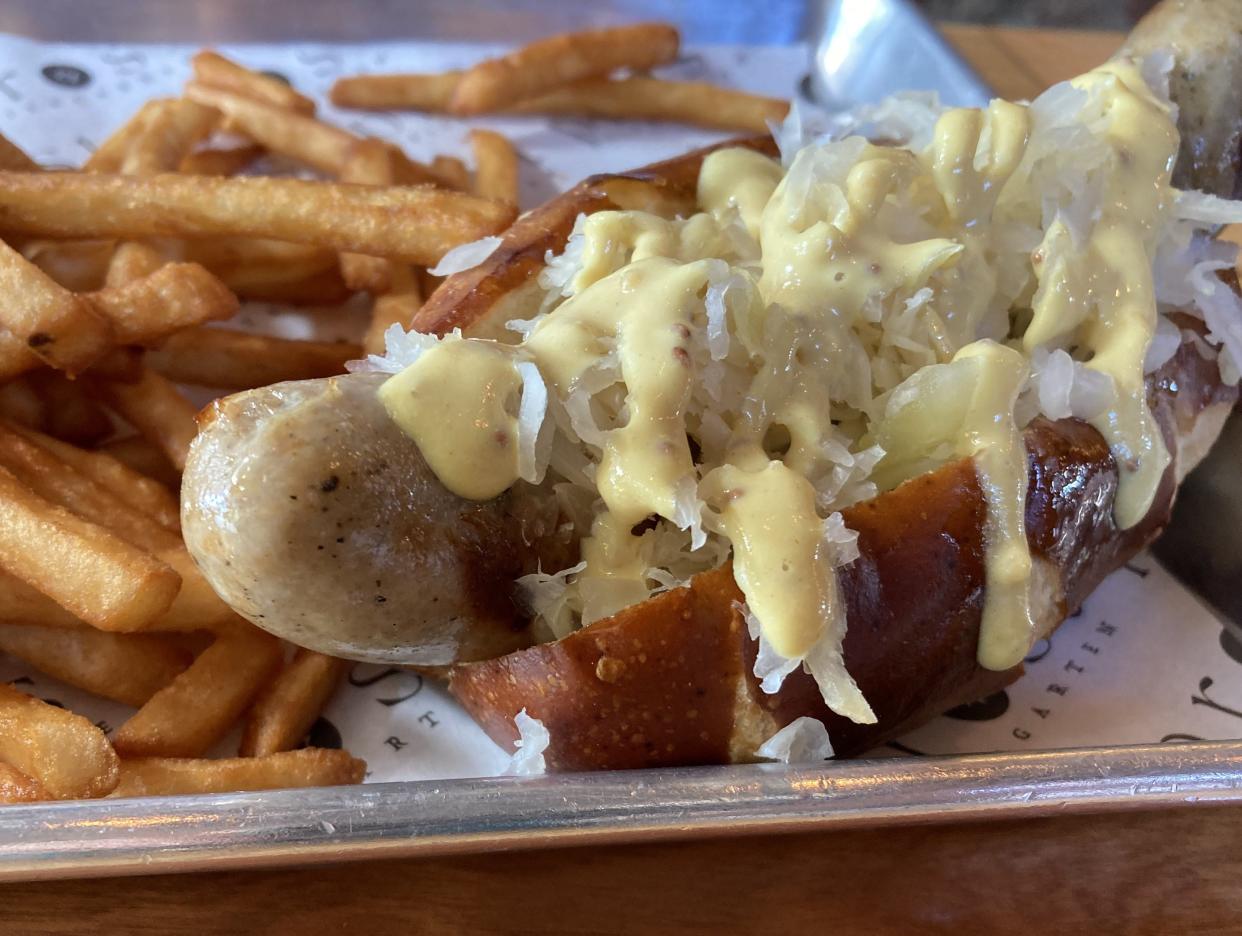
{"points": [[766, 22]]}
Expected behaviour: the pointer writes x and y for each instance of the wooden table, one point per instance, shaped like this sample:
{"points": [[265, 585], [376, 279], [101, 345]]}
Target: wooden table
{"points": [[1173, 871]]}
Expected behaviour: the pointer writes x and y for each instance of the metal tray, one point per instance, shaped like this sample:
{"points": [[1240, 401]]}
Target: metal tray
{"points": [[148, 835]]}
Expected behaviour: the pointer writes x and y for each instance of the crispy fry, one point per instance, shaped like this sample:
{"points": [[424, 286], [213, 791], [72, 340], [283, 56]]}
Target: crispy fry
{"points": [[16, 358], [16, 787], [110, 154], [156, 409], [127, 668], [173, 297], [168, 132], [123, 364], [195, 710], [287, 708], [272, 283], [279, 130], [87, 570], [224, 161], [369, 163], [431, 92], [58, 326], [496, 166], [453, 171], [135, 489], [132, 260], [22, 602], [79, 266], [235, 360], [396, 307], [64, 752], [62, 484], [19, 404], [212, 68], [641, 98], [69, 411], [197, 606], [141, 457], [14, 159], [559, 60], [418, 224], [309, 767]]}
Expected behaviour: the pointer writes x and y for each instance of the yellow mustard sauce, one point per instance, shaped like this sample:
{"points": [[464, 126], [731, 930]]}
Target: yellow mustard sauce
{"points": [[459, 404], [820, 262]]}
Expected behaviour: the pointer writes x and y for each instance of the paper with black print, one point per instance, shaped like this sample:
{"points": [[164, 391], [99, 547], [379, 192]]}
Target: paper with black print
{"points": [[1143, 661]]}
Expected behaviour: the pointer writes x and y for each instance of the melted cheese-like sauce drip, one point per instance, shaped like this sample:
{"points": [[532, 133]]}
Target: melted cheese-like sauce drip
{"points": [[826, 264], [459, 404]]}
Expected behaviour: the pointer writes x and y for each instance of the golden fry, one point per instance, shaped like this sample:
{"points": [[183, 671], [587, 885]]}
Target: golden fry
{"points": [[195, 710], [168, 132], [431, 92], [197, 607], [16, 787], [70, 413], [22, 602], [287, 708], [136, 489], [639, 98], [127, 668], [67, 755], [309, 767], [86, 569], [123, 364], [20, 404], [61, 484], [236, 360], [110, 154], [369, 163], [132, 260], [79, 266], [225, 161], [278, 130], [396, 307], [560, 60], [453, 171], [14, 159], [496, 166], [175, 296], [143, 458], [156, 409], [418, 224], [55, 324], [212, 68]]}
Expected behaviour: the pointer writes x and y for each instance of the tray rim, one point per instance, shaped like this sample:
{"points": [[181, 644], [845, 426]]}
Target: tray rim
{"points": [[157, 835]]}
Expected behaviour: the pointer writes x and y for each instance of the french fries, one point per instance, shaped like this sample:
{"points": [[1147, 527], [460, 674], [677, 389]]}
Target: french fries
{"points": [[235, 360], [496, 167], [278, 129], [168, 132], [396, 307], [559, 60], [309, 767], [86, 569], [22, 602], [417, 224], [56, 325], [156, 409], [110, 154], [130, 486], [211, 68], [146, 309], [643, 98], [141, 457], [69, 412], [64, 753], [369, 163], [127, 668], [13, 158], [431, 92], [287, 708], [195, 710], [16, 787], [222, 161]]}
